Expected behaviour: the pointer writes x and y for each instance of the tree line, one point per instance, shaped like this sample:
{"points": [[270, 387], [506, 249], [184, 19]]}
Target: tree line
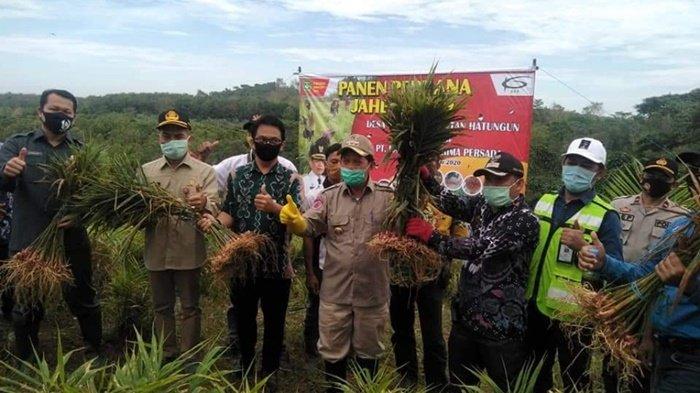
{"points": [[664, 124]]}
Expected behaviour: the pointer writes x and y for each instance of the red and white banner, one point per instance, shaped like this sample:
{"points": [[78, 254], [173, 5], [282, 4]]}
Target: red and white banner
{"points": [[497, 116]]}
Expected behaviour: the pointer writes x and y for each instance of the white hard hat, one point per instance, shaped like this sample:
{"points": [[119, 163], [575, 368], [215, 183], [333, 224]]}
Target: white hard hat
{"points": [[589, 148]]}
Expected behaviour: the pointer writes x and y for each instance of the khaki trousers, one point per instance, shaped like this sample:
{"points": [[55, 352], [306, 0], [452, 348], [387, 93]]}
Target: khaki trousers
{"points": [[345, 328], [165, 284]]}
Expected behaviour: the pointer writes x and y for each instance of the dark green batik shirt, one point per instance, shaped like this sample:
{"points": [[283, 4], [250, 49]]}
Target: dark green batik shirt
{"points": [[243, 185], [33, 194]]}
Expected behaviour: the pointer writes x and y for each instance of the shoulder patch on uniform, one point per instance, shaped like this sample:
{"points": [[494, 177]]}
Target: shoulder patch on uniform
{"points": [[319, 201], [331, 188], [627, 217], [661, 224], [625, 209]]}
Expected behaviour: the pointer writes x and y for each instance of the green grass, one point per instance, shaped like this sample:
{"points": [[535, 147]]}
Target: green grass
{"points": [[129, 363]]}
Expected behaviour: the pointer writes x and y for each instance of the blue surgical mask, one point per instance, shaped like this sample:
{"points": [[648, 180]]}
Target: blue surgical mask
{"points": [[577, 179], [497, 196], [175, 149], [353, 177]]}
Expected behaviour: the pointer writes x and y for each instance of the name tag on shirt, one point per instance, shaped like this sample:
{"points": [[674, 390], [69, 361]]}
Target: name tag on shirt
{"points": [[566, 254]]}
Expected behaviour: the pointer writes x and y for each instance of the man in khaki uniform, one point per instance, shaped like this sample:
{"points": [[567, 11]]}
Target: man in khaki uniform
{"points": [[354, 305], [175, 250], [645, 217]]}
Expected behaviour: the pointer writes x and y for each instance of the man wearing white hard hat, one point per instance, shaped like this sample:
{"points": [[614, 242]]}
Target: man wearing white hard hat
{"points": [[567, 218]]}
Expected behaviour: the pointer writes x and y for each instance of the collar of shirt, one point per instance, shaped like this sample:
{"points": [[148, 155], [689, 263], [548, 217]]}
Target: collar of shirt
{"points": [[39, 134], [584, 197], [185, 161], [666, 204], [275, 168], [327, 182], [344, 189]]}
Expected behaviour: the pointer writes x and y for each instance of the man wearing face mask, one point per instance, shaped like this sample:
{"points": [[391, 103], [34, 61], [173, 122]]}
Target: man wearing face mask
{"points": [[646, 215], [228, 166], [253, 202], [175, 250], [489, 314], [21, 159], [566, 220], [354, 305]]}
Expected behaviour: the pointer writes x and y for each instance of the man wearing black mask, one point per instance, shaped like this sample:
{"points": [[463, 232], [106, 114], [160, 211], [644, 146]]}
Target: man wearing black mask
{"points": [[645, 217], [21, 160], [255, 195]]}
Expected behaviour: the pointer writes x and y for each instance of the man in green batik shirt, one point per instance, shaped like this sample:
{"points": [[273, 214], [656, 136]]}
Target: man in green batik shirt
{"points": [[255, 194]]}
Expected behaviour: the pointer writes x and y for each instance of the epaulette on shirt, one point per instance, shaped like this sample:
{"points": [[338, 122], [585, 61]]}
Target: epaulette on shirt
{"points": [[333, 187]]}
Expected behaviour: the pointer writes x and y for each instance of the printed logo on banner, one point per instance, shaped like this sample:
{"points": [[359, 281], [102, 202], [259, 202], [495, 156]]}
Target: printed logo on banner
{"points": [[513, 84], [315, 87]]}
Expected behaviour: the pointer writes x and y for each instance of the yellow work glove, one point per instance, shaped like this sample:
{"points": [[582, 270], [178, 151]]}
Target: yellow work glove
{"points": [[292, 218]]}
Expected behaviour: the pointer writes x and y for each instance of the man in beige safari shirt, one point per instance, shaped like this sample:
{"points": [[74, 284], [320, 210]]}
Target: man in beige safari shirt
{"points": [[354, 308], [175, 251]]}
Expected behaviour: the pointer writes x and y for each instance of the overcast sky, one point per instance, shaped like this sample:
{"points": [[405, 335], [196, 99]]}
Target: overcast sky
{"points": [[616, 52]]}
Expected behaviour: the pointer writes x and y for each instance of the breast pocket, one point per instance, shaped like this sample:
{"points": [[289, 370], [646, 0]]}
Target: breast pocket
{"points": [[657, 232], [373, 224], [32, 171], [626, 229], [339, 227]]}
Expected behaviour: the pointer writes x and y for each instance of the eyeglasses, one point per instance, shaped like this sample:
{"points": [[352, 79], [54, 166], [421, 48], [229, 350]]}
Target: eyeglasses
{"points": [[268, 141]]}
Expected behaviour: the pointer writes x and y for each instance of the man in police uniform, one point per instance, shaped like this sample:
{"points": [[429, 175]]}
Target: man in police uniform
{"points": [[567, 219], [646, 215], [354, 307]]}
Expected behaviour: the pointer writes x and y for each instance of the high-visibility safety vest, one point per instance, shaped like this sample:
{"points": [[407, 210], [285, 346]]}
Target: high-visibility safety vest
{"points": [[554, 267]]}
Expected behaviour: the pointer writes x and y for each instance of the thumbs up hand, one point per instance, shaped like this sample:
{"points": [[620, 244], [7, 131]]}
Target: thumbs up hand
{"points": [[264, 202], [592, 257], [573, 237], [292, 218], [15, 166]]}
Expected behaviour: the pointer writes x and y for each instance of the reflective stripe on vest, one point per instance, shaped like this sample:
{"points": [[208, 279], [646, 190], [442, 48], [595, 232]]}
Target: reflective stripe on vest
{"points": [[554, 269]]}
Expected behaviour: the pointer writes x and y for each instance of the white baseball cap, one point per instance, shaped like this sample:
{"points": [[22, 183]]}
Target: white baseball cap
{"points": [[589, 148]]}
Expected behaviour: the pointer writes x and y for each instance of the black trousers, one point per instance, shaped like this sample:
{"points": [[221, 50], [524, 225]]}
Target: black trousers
{"points": [[272, 295], [402, 308], [547, 339], [502, 360], [6, 296], [311, 318], [82, 302], [676, 368]]}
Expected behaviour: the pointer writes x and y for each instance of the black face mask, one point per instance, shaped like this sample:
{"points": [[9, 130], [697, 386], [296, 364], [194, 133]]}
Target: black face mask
{"points": [[267, 152], [57, 122], [656, 188]]}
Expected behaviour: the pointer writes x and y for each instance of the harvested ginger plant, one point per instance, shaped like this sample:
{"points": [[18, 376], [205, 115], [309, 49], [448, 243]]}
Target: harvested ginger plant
{"points": [[239, 257], [418, 120]]}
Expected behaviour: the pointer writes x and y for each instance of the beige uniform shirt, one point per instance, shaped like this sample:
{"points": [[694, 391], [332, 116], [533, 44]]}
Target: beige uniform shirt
{"points": [[351, 275], [641, 228], [171, 243]]}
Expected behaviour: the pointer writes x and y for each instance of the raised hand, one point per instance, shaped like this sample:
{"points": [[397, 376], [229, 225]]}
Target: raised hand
{"points": [[15, 166]]}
